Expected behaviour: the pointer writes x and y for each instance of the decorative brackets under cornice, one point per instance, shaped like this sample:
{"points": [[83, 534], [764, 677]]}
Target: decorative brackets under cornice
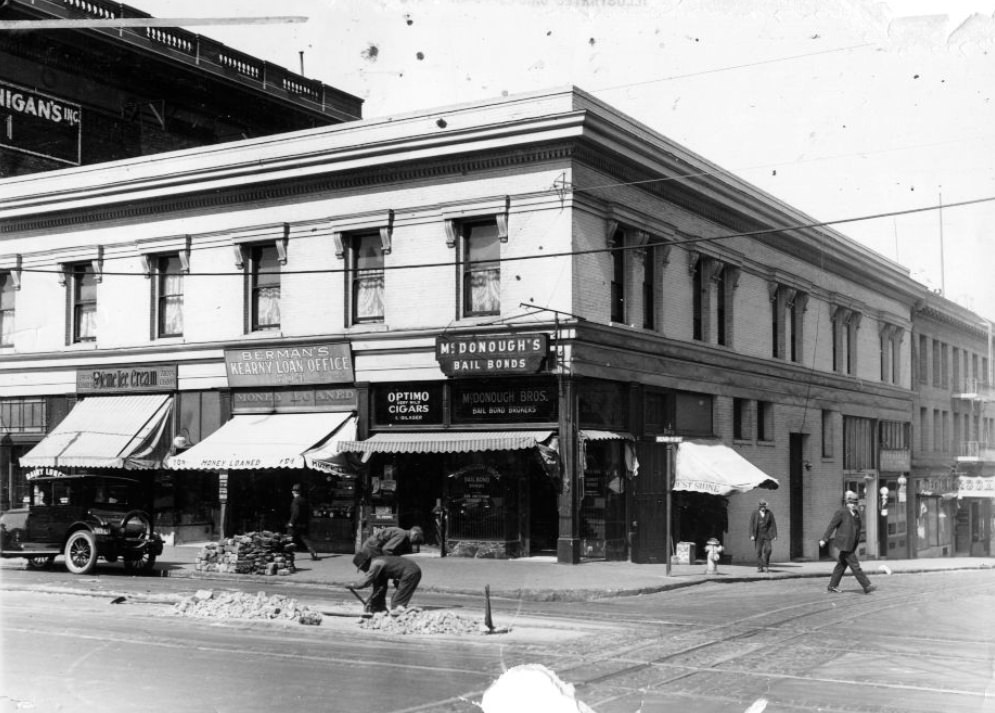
{"points": [[11, 264], [96, 262]]}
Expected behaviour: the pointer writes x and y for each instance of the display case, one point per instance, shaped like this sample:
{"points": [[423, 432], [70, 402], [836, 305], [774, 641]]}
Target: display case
{"points": [[333, 504]]}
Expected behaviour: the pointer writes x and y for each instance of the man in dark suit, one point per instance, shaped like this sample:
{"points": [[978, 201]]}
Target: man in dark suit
{"points": [[763, 531], [300, 519], [846, 524]]}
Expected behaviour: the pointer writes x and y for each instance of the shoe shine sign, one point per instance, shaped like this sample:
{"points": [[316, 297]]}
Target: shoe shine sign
{"points": [[485, 355]]}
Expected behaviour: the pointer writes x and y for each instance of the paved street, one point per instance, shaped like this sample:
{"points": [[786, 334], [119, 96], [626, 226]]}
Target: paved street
{"points": [[920, 643]]}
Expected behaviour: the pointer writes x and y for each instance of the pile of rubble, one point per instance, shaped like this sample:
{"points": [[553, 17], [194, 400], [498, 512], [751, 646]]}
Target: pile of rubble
{"points": [[416, 621], [208, 604], [265, 552]]}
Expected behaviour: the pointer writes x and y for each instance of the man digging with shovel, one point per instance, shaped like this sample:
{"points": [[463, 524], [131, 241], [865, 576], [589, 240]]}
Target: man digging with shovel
{"points": [[379, 571]]}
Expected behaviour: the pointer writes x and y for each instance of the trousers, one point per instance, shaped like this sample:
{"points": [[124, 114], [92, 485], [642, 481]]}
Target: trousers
{"points": [[844, 560]]}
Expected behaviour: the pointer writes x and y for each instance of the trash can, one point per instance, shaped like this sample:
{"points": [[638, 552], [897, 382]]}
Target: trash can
{"points": [[684, 554]]}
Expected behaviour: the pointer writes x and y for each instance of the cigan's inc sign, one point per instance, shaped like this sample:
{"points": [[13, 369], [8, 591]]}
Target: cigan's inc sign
{"points": [[491, 354]]}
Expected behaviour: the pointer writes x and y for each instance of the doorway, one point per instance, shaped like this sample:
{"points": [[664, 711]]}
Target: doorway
{"points": [[650, 516], [796, 491]]}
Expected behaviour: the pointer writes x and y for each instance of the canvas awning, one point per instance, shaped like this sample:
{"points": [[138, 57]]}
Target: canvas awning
{"points": [[107, 432], [251, 441], [446, 442], [717, 469]]}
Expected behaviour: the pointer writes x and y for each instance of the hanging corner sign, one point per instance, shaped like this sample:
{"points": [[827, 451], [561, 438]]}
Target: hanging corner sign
{"points": [[476, 355]]}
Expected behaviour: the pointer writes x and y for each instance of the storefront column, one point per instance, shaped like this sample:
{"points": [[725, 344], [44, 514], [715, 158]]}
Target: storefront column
{"points": [[568, 542]]}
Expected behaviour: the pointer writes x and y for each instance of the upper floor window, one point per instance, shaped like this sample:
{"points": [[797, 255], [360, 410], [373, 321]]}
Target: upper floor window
{"points": [[845, 322], [828, 434], [765, 421], [697, 302], [923, 359], [264, 287], [480, 268], [366, 278], [168, 298], [83, 297], [787, 313], [7, 291], [891, 353], [741, 423], [649, 288], [618, 276]]}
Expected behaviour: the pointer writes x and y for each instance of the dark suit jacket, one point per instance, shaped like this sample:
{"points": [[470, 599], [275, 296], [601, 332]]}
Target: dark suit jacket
{"points": [[847, 528], [763, 528], [300, 513]]}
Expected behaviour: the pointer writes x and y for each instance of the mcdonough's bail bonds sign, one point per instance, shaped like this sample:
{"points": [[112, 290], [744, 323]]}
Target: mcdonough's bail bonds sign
{"points": [[329, 363], [491, 354]]}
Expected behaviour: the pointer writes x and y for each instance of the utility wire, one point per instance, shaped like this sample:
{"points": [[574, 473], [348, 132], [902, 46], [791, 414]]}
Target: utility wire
{"points": [[570, 253]]}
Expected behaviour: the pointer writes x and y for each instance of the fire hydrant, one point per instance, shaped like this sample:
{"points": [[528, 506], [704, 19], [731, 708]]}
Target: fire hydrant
{"points": [[713, 548]]}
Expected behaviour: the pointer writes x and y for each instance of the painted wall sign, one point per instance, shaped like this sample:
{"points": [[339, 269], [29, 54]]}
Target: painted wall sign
{"points": [[114, 379], [493, 354], [407, 404], [329, 363], [294, 400], [513, 401], [39, 124]]}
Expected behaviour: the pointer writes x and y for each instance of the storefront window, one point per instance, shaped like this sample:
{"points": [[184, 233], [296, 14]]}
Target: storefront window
{"points": [[602, 515]]}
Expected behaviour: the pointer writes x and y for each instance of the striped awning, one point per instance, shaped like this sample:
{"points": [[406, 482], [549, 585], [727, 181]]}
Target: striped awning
{"points": [[446, 442], [256, 441], [589, 435], [106, 432]]}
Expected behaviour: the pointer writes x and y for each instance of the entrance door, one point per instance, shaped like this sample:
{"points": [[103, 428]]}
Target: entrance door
{"points": [[649, 514], [796, 491]]}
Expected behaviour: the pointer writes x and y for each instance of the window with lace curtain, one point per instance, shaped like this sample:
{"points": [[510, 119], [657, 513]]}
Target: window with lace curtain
{"points": [[481, 268], [264, 287], [366, 278], [83, 296], [168, 303]]}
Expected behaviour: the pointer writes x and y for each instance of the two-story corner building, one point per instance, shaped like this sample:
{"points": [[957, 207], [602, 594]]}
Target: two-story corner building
{"points": [[476, 318], [80, 95], [953, 453]]}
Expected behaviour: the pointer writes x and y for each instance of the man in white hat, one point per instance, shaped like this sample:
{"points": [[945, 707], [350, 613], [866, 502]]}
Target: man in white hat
{"points": [[846, 525]]}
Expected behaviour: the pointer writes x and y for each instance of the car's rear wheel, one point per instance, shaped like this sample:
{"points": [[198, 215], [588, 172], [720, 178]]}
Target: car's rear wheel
{"points": [[143, 563], [43, 562], [81, 552], [137, 530]]}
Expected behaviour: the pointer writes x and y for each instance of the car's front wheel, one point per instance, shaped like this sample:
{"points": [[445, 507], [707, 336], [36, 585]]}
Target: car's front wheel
{"points": [[143, 564], [81, 552]]}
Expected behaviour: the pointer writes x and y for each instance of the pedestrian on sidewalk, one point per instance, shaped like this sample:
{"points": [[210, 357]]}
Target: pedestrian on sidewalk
{"points": [[393, 541], [379, 571], [845, 523], [763, 532], [300, 520]]}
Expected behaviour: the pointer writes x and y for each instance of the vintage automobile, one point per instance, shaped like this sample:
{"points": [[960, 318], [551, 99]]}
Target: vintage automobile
{"points": [[83, 517]]}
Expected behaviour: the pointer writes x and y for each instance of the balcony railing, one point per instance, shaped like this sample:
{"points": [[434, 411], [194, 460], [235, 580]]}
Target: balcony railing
{"points": [[205, 52], [976, 452], [974, 390]]}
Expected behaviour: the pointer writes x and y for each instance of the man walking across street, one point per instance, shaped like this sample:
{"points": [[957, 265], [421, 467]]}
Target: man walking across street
{"points": [[846, 525], [763, 531], [300, 517]]}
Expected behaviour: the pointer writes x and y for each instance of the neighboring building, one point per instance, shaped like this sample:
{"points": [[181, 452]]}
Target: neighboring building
{"points": [[79, 96], [953, 455], [478, 319]]}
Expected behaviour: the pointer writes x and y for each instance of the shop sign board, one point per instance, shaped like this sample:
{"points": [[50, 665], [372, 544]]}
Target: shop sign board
{"points": [[492, 354], [895, 461], [119, 379], [294, 400], [288, 365], [408, 404], [504, 401], [39, 124], [975, 487]]}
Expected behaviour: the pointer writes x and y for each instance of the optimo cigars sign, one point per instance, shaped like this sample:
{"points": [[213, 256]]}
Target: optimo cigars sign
{"points": [[329, 363], [116, 379], [491, 354]]}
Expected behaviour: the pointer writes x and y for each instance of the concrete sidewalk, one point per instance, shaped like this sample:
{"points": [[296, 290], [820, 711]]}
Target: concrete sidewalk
{"points": [[543, 579]]}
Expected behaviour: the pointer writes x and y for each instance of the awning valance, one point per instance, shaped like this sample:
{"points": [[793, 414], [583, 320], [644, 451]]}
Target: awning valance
{"points": [[589, 435], [717, 469], [106, 432], [251, 441], [446, 442]]}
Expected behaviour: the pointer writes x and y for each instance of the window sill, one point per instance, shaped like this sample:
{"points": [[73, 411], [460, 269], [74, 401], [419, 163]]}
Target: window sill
{"points": [[766, 444], [368, 327], [742, 441], [82, 346]]}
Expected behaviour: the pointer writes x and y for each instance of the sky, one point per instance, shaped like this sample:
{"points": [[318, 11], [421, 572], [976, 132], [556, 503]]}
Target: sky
{"points": [[881, 114]]}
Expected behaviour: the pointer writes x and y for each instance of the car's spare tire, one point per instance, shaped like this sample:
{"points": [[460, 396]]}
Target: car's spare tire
{"points": [[136, 529]]}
